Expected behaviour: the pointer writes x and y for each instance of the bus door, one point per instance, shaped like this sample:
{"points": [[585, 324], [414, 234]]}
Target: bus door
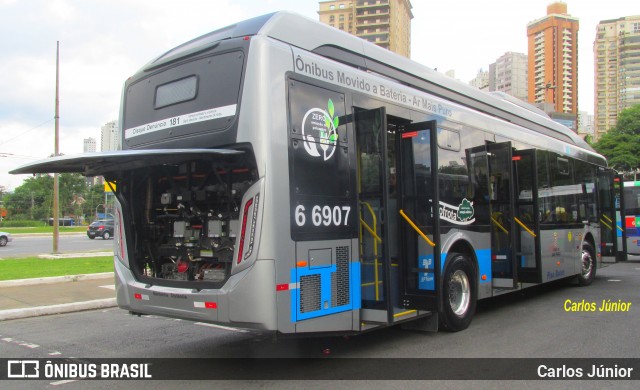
{"points": [[419, 224], [527, 226], [373, 206], [621, 217], [607, 217], [501, 208]]}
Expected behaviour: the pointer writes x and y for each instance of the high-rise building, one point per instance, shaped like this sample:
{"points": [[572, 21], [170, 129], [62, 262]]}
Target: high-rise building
{"points": [[89, 145], [481, 81], [509, 75], [387, 23], [553, 60], [585, 124], [110, 136], [616, 52]]}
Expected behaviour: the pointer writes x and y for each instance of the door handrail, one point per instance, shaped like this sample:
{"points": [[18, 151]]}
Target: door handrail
{"points": [[374, 233], [417, 229], [524, 226]]}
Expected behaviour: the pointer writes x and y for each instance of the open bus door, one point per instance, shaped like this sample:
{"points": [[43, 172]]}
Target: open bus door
{"points": [[527, 233], [621, 230], [607, 217], [502, 206], [419, 226], [373, 210], [391, 179]]}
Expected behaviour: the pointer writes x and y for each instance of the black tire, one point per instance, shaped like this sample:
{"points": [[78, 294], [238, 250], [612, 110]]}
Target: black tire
{"points": [[3, 241], [459, 293], [91, 238], [588, 272], [106, 235]]}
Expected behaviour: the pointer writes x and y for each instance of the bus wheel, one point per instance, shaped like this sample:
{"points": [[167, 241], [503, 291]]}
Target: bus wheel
{"points": [[588, 272], [459, 293]]}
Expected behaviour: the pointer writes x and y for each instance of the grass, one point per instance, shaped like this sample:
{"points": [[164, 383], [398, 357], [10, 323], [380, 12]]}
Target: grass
{"points": [[43, 229], [34, 267]]}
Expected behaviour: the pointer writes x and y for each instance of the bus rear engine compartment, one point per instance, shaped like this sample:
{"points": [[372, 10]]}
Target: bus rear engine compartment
{"points": [[188, 221]]}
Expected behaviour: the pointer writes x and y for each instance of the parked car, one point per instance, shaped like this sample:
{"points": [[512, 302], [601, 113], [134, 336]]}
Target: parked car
{"points": [[102, 228], [63, 221], [5, 238]]}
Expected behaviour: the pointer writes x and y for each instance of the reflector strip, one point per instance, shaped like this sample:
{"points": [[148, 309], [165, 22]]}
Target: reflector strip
{"points": [[500, 257], [141, 297], [286, 287], [205, 305]]}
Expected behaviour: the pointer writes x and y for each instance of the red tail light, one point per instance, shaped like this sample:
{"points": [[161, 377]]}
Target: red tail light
{"points": [[245, 216]]}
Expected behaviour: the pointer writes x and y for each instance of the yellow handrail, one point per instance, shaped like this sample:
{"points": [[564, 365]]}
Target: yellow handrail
{"points": [[374, 233], [368, 228], [524, 226], [416, 228], [499, 225], [606, 224]]}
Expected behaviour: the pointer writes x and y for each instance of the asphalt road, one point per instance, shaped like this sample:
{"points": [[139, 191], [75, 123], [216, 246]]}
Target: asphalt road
{"points": [[533, 323], [24, 245]]}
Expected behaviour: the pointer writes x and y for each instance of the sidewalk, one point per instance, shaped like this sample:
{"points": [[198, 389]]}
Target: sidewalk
{"points": [[45, 296]]}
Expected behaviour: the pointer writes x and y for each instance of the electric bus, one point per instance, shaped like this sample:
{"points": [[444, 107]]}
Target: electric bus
{"points": [[281, 175]]}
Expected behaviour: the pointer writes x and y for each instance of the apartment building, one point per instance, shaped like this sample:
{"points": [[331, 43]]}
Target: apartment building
{"points": [[387, 23]]}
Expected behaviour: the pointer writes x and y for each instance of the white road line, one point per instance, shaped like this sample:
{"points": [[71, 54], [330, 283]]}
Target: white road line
{"points": [[221, 327], [109, 286], [62, 382], [55, 353], [29, 345], [614, 280]]}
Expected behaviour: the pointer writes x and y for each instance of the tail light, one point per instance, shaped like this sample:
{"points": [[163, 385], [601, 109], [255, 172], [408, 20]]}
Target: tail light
{"points": [[252, 230], [119, 244]]}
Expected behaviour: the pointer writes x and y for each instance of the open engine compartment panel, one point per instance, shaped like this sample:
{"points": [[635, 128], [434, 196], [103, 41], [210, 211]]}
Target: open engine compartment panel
{"points": [[186, 219]]}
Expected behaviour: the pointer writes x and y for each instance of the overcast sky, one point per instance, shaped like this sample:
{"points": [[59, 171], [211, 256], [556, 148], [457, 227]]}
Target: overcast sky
{"points": [[102, 42]]}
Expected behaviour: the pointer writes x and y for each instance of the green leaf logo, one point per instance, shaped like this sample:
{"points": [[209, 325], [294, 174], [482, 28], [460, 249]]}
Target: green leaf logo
{"points": [[330, 107]]}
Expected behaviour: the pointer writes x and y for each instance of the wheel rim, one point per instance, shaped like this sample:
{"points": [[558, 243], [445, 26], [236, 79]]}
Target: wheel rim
{"points": [[587, 264], [459, 293]]}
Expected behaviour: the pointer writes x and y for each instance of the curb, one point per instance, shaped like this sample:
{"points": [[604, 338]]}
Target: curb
{"points": [[14, 314], [55, 279]]}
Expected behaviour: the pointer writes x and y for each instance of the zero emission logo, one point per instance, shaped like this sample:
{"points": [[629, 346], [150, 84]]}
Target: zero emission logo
{"points": [[319, 131]]}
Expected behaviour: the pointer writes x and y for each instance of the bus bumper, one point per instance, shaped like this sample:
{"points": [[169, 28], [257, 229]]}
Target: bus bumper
{"points": [[247, 299]]}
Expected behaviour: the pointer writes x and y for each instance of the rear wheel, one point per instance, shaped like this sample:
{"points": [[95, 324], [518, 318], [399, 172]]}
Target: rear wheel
{"points": [[106, 235], [588, 272], [3, 241], [459, 293]]}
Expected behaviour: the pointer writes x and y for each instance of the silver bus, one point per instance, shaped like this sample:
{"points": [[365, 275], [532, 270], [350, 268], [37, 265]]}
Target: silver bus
{"points": [[281, 175]]}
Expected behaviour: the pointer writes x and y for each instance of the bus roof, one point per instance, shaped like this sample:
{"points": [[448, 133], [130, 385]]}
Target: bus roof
{"points": [[321, 39]]}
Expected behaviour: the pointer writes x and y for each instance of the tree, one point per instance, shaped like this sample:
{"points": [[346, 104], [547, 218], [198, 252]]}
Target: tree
{"points": [[34, 198], [629, 120], [621, 145]]}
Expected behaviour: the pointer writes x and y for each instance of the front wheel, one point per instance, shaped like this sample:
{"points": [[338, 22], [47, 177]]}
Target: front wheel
{"points": [[588, 272], [459, 293], [106, 236], [3, 241]]}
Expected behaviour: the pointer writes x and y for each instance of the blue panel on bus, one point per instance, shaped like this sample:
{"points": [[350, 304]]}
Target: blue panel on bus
{"points": [[484, 264], [319, 293], [426, 280]]}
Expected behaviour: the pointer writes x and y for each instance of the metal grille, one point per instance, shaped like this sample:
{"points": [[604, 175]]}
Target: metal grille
{"points": [[340, 279], [309, 293]]}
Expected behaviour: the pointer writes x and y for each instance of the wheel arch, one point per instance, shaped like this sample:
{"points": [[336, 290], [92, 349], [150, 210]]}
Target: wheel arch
{"points": [[461, 244]]}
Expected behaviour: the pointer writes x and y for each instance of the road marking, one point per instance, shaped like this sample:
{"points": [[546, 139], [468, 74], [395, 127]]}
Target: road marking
{"points": [[109, 286], [62, 382], [222, 327], [29, 345], [614, 280], [55, 353]]}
